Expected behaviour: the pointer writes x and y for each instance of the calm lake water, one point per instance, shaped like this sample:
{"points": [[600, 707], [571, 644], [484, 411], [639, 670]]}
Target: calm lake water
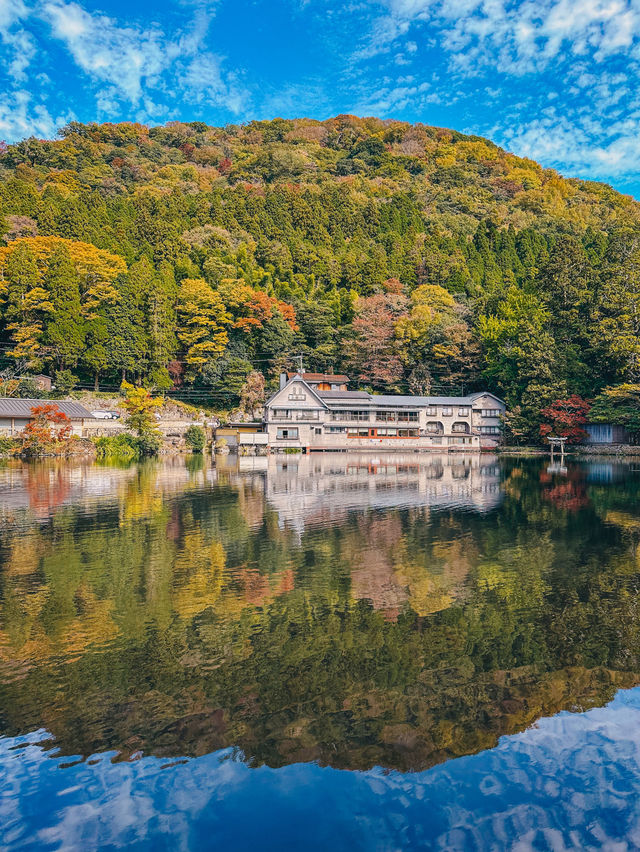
{"points": [[327, 652]]}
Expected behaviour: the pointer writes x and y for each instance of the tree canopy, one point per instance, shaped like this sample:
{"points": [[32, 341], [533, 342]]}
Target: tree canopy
{"points": [[408, 256]]}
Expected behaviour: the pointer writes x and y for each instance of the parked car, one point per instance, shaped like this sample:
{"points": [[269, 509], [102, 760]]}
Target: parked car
{"points": [[101, 414]]}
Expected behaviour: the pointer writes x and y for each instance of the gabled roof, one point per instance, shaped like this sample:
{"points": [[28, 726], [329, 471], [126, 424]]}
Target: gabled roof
{"points": [[11, 407], [297, 377], [477, 394], [382, 400]]}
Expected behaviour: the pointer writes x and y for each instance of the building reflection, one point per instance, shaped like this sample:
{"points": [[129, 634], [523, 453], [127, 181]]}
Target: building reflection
{"points": [[311, 490], [358, 611]]}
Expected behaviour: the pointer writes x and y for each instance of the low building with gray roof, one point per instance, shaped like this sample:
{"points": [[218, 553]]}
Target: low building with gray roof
{"points": [[16, 413]]}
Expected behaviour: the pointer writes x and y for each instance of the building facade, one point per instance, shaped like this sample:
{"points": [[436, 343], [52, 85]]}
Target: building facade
{"points": [[300, 416], [16, 413], [606, 433]]}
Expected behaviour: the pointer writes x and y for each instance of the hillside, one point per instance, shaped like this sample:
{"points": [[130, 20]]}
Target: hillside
{"points": [[408, 256]]}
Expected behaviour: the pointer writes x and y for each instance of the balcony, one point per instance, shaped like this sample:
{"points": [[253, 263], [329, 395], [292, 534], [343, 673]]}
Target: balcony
{"points": [[290, 416], [460, 428], [434, 428]]}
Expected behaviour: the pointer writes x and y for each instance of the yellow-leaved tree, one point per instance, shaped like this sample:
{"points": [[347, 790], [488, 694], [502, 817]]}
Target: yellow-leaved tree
{"points": [[29, 289], [202, 318]]}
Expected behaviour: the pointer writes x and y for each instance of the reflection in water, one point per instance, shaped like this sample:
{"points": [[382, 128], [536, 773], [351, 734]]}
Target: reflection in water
{"points": [[351, 611], [570, 783]]}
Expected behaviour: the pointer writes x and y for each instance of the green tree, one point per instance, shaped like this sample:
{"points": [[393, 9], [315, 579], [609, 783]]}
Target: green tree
{"points": [[65, 328], [619, 405], [27, 305]]}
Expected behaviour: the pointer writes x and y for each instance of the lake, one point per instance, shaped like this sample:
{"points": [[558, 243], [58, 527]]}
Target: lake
{"points": [[346, 652]]}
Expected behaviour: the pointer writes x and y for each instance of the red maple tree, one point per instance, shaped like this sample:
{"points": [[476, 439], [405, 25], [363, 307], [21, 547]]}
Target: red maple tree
{"points": [[565, 418], [47, 428]]}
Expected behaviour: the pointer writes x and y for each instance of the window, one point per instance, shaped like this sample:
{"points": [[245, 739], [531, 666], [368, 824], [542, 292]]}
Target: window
{"points": [[459, 440], [287, 434], [433, 428], [359, 416], [460, 427], [447, 412], [491, 412], [357, 433], [463, 412], [489, 430], [309, 414], [281, 414], [431, 411], [334, 430], [298, 395]]}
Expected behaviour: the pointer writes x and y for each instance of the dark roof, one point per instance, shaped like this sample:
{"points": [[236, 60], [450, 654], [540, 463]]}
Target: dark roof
{"points": [[346, 395], [320, 377], [384, 399], [10, 407]]}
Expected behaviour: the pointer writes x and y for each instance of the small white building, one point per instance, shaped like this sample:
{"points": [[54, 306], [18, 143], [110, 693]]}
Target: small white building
{"points": [[304, 417]]}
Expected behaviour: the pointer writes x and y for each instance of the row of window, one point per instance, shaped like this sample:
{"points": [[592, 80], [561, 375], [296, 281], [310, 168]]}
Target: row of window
{"points": [[382, 433], [291, 433], [447, 411], [396, 416], [293, 414], [363, 416]]}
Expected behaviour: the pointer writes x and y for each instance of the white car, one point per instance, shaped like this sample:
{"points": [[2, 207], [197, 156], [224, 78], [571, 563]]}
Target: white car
{"points": [[101, 414]]}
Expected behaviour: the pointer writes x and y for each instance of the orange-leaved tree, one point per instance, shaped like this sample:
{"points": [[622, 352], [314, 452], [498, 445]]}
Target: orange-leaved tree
{"points": [[47, 432]]}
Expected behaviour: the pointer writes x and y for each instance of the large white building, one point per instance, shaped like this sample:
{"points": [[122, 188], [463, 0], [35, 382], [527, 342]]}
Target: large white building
{"points": [[302, 416]]}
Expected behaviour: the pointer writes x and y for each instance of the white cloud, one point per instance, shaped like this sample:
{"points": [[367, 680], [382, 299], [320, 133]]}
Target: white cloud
{"points": [[18, 44], [21, 117], [568, 71], [141, 70], [127, 58]]}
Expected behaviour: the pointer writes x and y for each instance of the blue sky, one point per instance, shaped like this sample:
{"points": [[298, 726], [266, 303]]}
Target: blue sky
{"points": [[556, 80]]}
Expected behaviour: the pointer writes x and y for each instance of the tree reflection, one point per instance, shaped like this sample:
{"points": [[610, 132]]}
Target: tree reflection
{"points": [[178, 614]]}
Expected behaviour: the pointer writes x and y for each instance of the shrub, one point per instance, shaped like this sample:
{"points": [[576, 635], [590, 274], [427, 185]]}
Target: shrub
{"points": [[47, 433], [7, 445], [121, 447], [196, 438], [148, 443]]}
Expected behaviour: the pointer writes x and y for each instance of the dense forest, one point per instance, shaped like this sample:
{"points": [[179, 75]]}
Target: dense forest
{"points": [[184, 257]]}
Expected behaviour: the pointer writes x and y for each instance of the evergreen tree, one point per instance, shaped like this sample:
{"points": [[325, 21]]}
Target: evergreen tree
{"points": [[65, 329]]}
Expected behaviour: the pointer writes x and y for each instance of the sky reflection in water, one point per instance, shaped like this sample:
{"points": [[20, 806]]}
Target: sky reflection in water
{"points": [[346, 653], [571, 782]]}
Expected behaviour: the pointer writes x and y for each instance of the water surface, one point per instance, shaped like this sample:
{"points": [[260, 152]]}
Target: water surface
{"points": [[348, 651]]}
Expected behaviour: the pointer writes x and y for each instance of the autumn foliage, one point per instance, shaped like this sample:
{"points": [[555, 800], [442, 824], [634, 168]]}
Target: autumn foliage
{"points": [[48, 429], [565, 419]]}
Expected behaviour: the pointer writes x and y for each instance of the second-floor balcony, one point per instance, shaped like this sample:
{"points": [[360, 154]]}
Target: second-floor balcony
{"points": [[346, 416], [461, 428], [288, 415], [433, 428]]}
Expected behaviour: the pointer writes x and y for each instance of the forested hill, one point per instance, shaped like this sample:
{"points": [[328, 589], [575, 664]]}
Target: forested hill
{"points": [[408, 256]]}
